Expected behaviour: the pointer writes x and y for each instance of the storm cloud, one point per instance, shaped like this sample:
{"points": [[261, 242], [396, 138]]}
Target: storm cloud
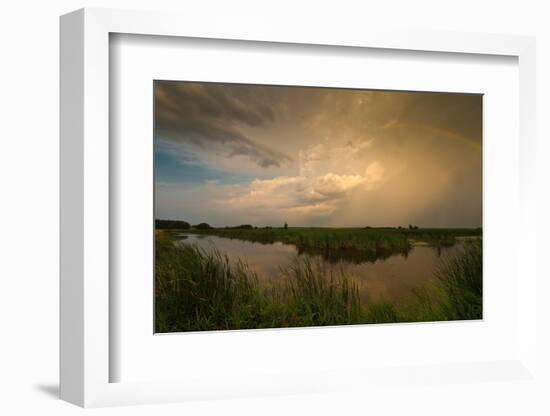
{"points": [[209, 117], [317, 156]]}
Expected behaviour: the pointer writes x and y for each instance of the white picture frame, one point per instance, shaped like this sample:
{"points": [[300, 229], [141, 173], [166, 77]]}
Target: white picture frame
{"points": [[85, 211]]}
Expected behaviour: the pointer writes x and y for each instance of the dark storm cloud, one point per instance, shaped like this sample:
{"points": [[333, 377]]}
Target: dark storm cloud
{"points": [[212, 116]]}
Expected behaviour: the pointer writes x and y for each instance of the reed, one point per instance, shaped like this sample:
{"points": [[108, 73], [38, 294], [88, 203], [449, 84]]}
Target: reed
{"points": [[461, 279], [202, 290], [199, 290]]}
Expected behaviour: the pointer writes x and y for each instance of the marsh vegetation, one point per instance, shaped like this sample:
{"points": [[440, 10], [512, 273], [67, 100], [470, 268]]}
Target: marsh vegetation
{"points": [[204, 287]]}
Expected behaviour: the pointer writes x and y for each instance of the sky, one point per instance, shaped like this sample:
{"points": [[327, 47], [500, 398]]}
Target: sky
{"points": [[231, 154]]}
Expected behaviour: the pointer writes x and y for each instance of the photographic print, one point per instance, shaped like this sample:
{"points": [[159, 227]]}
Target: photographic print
{"points": [[289, 206]]}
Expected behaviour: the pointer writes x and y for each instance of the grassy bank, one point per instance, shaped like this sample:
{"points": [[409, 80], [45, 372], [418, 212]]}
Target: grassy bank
{"points": [[198, 290], [356, 245]]}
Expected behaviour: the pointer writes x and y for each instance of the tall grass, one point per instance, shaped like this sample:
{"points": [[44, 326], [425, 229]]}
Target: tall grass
{"points": [[199, 290], [461, 279], [202, 290], [319, 297], [457, 292]]}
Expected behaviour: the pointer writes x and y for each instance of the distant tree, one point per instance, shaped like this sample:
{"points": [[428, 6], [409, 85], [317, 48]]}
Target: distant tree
{"points": [[171, 225], [202, 226], [368, 227], [244, 227], [286, 226]]}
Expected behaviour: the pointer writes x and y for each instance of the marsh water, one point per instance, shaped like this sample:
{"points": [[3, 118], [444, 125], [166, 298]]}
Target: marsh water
{"points": [[390, 279]]}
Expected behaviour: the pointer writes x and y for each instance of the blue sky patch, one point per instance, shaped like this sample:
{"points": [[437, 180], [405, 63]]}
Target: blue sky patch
{"points": [[171, 169]]}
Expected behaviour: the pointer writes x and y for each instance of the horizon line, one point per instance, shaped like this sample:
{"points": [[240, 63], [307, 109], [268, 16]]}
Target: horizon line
{"points": [[321, 226]]}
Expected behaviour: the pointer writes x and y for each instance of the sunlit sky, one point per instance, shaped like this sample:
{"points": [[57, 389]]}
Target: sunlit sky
{"points": [[230, 154]]}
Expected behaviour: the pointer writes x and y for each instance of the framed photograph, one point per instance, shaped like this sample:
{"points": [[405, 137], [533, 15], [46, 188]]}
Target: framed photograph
{"points": [[271, 212], [262, 193]]}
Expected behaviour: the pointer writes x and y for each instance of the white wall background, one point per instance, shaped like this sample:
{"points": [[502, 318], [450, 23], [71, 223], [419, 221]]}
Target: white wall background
{"points": [[29, 198]]}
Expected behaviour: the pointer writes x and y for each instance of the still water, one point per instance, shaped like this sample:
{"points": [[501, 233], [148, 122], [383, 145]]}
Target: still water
{"points": [[391, 279]]}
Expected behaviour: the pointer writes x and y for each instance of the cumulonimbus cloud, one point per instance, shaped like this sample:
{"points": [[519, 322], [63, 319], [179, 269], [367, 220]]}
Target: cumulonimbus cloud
{"points": [[320, 156], [314, 191]]}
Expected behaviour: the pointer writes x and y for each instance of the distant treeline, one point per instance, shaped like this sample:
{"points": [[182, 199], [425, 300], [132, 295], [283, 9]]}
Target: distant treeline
{"points": [[179, 225], [184, 225], [171, 225]]}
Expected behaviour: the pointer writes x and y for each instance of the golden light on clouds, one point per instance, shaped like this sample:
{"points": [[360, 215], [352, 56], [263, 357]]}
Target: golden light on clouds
{"points": [[230, 154]]}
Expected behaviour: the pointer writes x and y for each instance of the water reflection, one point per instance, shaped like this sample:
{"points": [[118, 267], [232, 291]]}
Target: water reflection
{"points": [[390, 277], [351, 256]]}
